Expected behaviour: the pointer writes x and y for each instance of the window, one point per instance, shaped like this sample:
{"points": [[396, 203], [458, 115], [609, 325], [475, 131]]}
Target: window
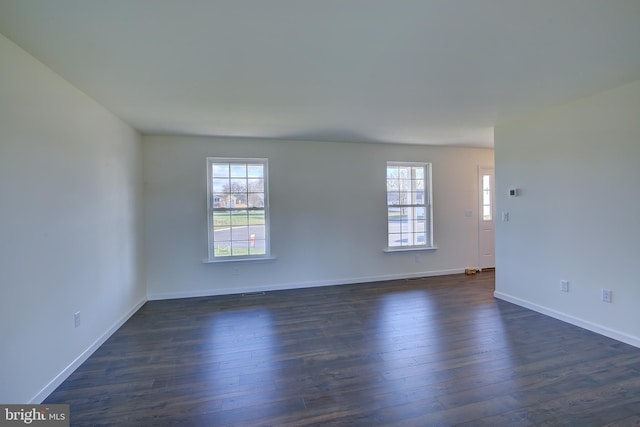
{"points": [[238, 208], [409, 224], [487, 215]]}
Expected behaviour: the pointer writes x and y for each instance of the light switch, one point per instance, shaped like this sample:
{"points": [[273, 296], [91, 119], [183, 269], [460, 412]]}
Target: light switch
{"points": [[505, 216]]}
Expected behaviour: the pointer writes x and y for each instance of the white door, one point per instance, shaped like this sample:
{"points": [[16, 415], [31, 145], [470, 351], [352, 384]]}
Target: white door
{"points": [[486, 219]]}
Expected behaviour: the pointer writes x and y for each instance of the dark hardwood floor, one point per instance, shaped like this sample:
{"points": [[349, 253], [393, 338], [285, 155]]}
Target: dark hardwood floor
{"points": [[426, 352]]}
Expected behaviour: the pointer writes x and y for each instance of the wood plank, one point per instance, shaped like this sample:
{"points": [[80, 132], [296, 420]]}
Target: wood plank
{"points": [[431, 351]]}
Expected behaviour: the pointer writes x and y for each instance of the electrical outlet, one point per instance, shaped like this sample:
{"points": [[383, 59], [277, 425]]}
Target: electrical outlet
{"points": [[564, 285], [606, 295], [76, 319]]}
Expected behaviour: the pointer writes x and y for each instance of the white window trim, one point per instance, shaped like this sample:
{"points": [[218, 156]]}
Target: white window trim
{"points": [[210, 234], [409, 249], [231, 259], [428, 206]]}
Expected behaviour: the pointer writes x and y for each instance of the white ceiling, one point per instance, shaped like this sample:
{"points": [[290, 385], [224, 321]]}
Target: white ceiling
{"points": [[407, 71]]}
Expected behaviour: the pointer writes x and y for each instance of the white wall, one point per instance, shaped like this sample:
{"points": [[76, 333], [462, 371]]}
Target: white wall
{"points": [[70, 190], [328, 214], [577, 218]]}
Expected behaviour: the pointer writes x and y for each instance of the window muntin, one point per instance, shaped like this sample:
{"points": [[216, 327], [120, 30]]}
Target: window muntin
{"points": [[409, 223], [238, 211]]}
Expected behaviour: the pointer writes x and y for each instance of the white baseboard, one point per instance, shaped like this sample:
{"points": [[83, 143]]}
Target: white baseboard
{"points": [[59, 379], [576, 321], [281, 287]]}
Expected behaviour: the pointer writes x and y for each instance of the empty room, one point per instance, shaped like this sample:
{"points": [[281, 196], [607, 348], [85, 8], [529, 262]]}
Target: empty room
{"points": [[311, 213]]}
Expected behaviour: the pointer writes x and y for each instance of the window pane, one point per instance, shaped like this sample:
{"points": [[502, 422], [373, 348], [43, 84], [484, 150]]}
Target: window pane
{"points": [[222, 249], [255, 185], [404, 197], [240, 219], [417, 198], [238, 186], [257, 230], [395, 239], [256, 200], [418, 173], [256, 236], [257, 218], [419, 239], [258, 247], [486, 213], [392, 172], [486, 197], [393, 198], [221, 220], [394, 214], [255, 171], [240, 233], [486, 182], [238, 170], [240, 248], [220, 169], [221, 185]]}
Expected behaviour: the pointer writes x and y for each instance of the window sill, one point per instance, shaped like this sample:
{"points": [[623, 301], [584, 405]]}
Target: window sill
{"points": [[231, 259], [410, 249]]}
